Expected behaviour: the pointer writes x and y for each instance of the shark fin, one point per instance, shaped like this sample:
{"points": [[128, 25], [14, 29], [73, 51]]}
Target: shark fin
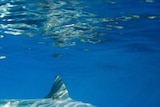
{"points": [[58, 90]]}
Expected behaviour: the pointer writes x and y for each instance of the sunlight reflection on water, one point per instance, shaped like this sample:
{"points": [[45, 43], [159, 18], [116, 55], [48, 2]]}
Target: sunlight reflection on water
{"points": [[65, 22]]}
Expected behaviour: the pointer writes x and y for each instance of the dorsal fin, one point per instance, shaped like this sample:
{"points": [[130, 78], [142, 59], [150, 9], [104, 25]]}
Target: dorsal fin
{"points": [[58, 90]]}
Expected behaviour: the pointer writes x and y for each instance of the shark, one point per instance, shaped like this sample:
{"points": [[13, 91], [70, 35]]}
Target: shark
{"points": [[57, 97]]}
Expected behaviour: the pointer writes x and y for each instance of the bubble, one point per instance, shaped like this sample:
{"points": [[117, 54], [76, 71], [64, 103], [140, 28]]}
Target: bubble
{"points": [[2, 57], [1, 36]]}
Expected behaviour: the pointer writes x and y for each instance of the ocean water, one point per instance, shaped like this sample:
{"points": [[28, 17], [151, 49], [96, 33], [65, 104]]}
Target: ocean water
{"points": [[107, 52]]}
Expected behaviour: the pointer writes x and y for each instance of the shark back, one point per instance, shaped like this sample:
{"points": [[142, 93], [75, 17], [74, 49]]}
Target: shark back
{"points": [[57, 97], [58, 90]]}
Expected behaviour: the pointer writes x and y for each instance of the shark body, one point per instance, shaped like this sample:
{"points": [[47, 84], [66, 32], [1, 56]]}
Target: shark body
{"points": [[57, 97]]}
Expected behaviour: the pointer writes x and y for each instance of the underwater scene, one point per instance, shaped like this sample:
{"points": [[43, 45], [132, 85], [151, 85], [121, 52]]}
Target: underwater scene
{"points": [[107, 52]]}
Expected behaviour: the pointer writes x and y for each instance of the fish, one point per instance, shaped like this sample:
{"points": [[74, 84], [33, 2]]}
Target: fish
{"points": [[57, 97]]}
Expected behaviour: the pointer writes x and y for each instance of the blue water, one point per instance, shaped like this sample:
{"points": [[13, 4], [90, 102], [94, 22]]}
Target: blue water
{"points": [[107, 52]]}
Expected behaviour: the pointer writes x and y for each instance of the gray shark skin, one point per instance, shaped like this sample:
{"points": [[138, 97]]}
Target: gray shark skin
{"points": [[57, 97]]}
